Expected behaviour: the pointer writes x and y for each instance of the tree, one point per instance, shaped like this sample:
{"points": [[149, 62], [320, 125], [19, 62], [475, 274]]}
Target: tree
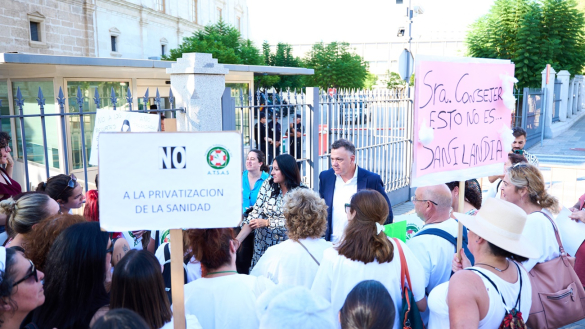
{"points": [[370, 81], [335, 66], [283, 56], [531, 34], [394, 80], [223, 41]]}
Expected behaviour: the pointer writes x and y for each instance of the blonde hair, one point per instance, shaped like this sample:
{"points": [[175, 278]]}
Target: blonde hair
{"points": [[27, 210], [305, 213], [525, 175]]}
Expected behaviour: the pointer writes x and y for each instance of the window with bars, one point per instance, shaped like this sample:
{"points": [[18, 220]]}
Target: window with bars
{"points": [[160, 5], [35, 31], [114, 42]]}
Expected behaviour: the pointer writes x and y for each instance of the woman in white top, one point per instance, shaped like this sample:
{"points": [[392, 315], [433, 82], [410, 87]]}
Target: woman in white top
{"points": [[222, 298], [366, 253], [497, 241], [137, 284], [494, 190], [296, 261], [523, 186]]}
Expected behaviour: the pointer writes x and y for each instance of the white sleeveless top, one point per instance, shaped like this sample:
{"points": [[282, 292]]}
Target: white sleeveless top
{"points": [[439, 309]]}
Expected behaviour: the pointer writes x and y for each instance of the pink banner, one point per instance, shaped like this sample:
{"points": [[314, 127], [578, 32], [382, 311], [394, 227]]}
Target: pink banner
{"points": [[459, 120]]}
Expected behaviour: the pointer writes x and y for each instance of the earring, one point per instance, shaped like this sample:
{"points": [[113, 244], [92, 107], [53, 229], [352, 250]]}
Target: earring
{"points": [[476, 241]]}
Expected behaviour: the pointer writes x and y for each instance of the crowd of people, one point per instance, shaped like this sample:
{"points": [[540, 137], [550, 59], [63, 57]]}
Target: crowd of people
{"points": [[299, 258]]}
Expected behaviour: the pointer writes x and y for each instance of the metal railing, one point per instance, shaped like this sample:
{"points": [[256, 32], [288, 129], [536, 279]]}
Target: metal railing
{"points": [[379, 123], [79, 99]]}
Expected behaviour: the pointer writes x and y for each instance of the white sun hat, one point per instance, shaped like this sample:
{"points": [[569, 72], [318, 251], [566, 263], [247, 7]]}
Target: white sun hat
{"points": [[501, 223]]}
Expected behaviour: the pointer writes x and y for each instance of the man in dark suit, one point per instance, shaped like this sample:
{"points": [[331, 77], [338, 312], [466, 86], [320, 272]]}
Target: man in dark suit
{"points": [[260, 133], [338, 184]]}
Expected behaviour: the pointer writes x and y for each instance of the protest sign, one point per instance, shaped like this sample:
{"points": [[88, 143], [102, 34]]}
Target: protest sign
{"points": [[572, 232], [112, 121], [159, 181], [461, 121]]}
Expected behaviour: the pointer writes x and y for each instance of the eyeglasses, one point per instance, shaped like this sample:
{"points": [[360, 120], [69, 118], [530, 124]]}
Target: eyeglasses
{"points": [[521, 152], [33, 272], [72, 182], [414, 199], [347, 208], [520, 164]]}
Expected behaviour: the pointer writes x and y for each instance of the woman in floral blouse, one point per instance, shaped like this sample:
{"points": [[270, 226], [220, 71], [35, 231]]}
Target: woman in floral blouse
{"points": [[267, 218]]}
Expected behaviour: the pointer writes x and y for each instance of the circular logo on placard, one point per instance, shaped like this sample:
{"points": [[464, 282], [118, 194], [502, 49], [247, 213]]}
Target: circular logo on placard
{"points": [[218, 157], [411, 231]]}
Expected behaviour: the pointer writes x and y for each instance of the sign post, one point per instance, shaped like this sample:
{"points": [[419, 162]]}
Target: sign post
{"points": [[171, 180], [461, 121]]}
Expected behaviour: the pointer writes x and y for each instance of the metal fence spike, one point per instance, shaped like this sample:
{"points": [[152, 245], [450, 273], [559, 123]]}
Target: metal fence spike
{"points": [[157, 99], [171, 98], [19, 99], [79, 97], [129, 98], [145, 98], [96, 98], [40, 98], [61, 98]]}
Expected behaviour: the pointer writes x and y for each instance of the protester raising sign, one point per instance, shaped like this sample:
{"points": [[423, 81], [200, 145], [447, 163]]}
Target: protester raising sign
{"points": [[156, 181], [110, 120], [461, 119]]}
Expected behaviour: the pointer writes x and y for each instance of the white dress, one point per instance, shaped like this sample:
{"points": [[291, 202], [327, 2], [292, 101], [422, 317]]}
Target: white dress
{"points": [[338, 275], [289, 263], [439, 309], [540, 229], [226, 301]]}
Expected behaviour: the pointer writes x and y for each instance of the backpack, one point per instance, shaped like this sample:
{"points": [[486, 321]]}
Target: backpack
{"points": [[451, 239], [167, 271], [513, 318]]}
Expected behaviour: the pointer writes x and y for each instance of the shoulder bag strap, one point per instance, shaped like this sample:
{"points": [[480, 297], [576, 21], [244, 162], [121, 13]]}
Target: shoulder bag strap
{"points": [[315, 259], [562, 250], [439, 233], [492, 282], [403, 267]]}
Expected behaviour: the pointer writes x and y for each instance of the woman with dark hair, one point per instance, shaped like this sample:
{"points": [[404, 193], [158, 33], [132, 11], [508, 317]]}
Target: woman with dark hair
{"points": [[78, 269], [472, 196], [368, 306], [8, 186], [137, 284], [480, 296], [24, 211], [120, 318], [267, 218], [65, 190], [222, 298], [21, 287], [366, 253]]}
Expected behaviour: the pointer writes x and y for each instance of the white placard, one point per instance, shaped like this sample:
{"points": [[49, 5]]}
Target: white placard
{"points": [[572, 232], [113, 121], [156, 181]]}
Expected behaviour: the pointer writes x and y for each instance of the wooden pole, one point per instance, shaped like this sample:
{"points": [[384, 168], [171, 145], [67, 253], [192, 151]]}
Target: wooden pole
{"points": [[460, 210], [177, 276]]}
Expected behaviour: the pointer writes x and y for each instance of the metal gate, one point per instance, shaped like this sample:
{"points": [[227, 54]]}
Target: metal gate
{"points": [[557, 101], [533, 114]]}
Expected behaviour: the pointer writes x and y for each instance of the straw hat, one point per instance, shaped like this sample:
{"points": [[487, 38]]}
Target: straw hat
{"points": [[501, 223]]}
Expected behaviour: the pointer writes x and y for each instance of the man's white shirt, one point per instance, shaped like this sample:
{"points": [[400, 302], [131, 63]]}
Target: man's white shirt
{"points": [[341, 195]]}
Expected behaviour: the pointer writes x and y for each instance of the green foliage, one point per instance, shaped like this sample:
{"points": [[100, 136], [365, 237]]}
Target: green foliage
{"points": [[394, 80], [531, 34], [335, 67], [223, 41], [370, 81], [283, 56]]}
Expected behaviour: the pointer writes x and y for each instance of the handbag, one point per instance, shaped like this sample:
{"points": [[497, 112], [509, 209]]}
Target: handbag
{"points": [[410, 317], [558, 297]]}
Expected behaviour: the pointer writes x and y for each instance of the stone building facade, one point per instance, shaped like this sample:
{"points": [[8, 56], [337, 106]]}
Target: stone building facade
{"points": [[140, 29]]}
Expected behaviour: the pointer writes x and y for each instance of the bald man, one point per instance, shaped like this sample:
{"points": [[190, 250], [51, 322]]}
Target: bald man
{"points": [[433, 205]]}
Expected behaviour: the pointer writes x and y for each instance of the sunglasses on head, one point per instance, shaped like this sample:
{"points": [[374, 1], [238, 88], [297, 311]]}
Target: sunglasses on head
{"points": [[32, 273], [72, 182]]}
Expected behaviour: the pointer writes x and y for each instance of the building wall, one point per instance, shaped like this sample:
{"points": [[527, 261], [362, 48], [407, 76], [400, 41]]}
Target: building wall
{"points": [[140, 27], [66, 27]]}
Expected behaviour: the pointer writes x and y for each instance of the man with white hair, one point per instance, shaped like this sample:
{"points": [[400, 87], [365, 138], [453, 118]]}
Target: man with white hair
{"points": [[435, 253]]}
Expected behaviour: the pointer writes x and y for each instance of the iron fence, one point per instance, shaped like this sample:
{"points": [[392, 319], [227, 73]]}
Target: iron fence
{"points": [[557, 101], [533, 115], [379, 123], [78, 102]]}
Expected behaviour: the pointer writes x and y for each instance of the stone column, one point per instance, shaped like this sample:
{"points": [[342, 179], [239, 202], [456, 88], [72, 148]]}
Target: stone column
{"points": [[563, 76], [570, 98], [549, 90], [580, 93], [198, 82]]}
